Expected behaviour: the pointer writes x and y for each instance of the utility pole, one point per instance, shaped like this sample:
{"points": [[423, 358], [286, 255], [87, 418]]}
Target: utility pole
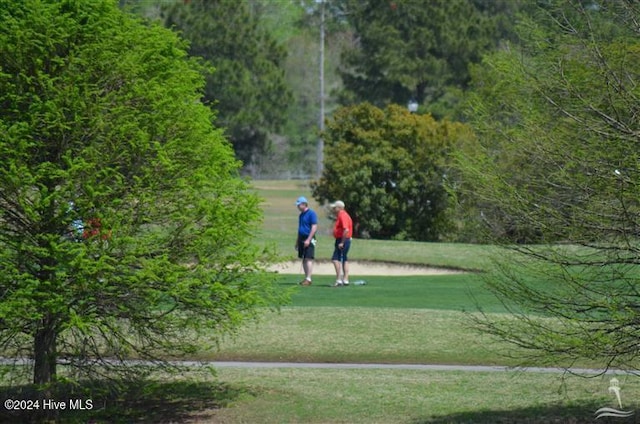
{"points": [[320, 146]]}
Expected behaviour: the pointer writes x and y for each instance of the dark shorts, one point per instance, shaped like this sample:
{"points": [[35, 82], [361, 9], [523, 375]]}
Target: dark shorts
{"points": [[341, 254], [308, 252]]}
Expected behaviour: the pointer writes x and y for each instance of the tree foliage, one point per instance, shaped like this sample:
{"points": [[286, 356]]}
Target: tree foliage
{"points": [[414, 50], [248, 89], [557, 120], [389, 167], [101, 127]]}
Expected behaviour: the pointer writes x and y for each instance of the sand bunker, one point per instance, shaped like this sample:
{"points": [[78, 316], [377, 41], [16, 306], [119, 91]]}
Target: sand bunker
{"points": [[363, 268]]}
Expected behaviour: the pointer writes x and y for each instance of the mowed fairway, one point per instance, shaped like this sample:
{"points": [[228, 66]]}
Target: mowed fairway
{"points": [[321, 396], [281, 222], [372, 343], [391, 320]]}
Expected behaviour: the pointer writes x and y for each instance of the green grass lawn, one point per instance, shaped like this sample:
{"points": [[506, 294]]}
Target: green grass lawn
{"points": [[281, 222], [416, 397], [459, 292], [391, 319], [369, 335], [349, 396], [409, 319]]}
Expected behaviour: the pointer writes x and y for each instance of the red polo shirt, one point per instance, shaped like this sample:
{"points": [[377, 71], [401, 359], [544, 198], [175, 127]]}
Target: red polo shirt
{"points": [[343, 220]]}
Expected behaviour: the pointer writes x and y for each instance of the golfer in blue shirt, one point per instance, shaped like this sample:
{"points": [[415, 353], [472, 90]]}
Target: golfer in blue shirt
{"points": [[306, 241]]}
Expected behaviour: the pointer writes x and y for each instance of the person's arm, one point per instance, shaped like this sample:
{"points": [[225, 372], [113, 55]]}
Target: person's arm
{"points": [[341, 223], [312, 233]]}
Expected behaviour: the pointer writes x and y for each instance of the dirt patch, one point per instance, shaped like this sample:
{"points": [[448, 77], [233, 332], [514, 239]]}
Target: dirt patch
{"points": [[363, 268]]}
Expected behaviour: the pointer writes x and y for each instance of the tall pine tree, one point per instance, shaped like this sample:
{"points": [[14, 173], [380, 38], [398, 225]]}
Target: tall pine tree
{"points": [[247, 88]]}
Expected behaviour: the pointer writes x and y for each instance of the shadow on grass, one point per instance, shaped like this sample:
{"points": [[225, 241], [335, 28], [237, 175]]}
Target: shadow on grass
{"points": [[582, 413], [141, 402]]}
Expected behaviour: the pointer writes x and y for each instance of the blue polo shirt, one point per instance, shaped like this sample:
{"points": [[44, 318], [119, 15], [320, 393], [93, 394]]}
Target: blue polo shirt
{"points": [[305, 221]]}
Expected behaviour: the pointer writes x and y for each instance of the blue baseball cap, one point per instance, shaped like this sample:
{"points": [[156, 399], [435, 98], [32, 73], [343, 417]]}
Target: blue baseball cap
{"points": [[300, 200]]}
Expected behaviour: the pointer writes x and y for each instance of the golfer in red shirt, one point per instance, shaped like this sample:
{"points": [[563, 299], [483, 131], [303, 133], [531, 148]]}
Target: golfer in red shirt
{"points": [[342, 232]]}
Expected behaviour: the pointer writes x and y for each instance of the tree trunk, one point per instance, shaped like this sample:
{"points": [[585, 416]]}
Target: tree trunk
{"points": [[45, 352]]}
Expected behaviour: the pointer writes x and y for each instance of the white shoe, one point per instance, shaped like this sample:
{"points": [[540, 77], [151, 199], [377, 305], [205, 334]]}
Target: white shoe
{"points": [[338, 283], [345, 282]]}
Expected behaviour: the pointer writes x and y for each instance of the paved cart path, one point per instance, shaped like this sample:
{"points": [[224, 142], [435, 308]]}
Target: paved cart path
{"points": [[370, 366], [419, 367]]}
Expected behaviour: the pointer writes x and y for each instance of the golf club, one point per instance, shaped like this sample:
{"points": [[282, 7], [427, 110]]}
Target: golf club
{"points": [[342, 265]]}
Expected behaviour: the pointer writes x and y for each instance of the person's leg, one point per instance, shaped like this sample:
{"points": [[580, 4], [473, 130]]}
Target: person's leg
{"points": [[308, 269], [337, 263], [345, 270], [307, 264], [302, 254], [345, 262]]}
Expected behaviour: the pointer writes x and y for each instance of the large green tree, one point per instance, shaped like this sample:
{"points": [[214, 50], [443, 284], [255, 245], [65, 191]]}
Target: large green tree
{"points": [[558, 124], [389, 167], [415, 49], [248, 89], [125, 230]]}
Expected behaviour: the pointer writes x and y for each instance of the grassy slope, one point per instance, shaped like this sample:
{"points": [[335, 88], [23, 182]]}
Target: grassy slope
{"points": [[412, 319], [392, 319], [281, 220]]}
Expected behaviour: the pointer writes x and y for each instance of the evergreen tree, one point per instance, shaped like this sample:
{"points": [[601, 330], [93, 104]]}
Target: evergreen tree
{"points": [[125, 230], [248, 88], [414, 50]]}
